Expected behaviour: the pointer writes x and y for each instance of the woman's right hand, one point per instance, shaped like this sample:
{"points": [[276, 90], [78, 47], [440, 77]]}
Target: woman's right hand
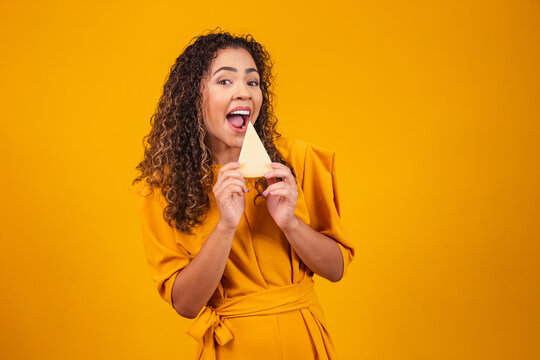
{"points": [[229, 192]]}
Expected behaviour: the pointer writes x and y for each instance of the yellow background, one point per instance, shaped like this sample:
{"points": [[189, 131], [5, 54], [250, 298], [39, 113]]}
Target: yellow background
{"points": [[431, 106]]}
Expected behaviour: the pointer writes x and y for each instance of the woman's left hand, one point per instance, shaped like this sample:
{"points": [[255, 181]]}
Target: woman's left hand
{"points": [[282, 195]]}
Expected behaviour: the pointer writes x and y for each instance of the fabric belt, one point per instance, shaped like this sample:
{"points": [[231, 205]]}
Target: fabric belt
{"points": [[209, 323]]}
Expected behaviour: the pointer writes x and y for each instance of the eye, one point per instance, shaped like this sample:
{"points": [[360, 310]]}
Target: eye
{"points": [[253, 83], [224, 82]]}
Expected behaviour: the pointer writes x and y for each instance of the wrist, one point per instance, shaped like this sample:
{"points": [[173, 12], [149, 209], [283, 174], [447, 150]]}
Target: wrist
{"points": [[292, 225], [225, 228]]}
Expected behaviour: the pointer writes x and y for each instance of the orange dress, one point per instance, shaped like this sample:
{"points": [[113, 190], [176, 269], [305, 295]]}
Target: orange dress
{"points": [[265, 306]]}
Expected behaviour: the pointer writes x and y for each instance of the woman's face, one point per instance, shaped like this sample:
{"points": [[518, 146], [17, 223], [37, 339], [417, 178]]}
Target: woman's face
{"points": [[231, 86]]}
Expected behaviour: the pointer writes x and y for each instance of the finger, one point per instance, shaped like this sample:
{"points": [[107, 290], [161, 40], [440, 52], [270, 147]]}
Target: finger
{"points": [[286, 175], [228, 171], [282, 171], [230, 184], [279, 186], [229, 166], [280, 192], [234, 189], [231, 174], [237, 182], [231, 181], [276, 165], [231, 190], [271, 181]]}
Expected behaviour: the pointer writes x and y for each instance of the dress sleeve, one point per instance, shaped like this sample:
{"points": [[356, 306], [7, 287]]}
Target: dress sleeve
{"points": [[319, 185], [165, 256]]}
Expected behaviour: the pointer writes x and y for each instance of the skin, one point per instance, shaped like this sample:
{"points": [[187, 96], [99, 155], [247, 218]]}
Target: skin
{"points": [[223, 91]]}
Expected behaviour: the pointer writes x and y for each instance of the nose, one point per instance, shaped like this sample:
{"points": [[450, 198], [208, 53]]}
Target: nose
{"points": [[241, 92]]}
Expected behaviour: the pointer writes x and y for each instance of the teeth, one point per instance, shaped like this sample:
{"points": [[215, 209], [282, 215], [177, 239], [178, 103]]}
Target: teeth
{"points": [[240, 112]]}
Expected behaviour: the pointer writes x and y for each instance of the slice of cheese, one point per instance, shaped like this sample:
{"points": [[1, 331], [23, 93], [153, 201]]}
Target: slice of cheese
{"points": [[254, 160]]}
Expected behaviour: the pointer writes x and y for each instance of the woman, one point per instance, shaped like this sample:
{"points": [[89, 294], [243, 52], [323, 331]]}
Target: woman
{"points": [[241, 250]]}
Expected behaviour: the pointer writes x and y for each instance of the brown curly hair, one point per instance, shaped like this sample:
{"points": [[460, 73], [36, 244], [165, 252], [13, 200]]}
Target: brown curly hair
{"points": [[177, 157]]}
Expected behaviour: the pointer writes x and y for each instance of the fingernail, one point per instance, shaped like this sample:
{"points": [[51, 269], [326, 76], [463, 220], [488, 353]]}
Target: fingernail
{"points": [[265, 175]]}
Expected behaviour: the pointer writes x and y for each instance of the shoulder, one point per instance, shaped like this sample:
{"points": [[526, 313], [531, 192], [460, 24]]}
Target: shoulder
{"points": [[142, 188], [291, 149], [304, 156], [147, 196]]}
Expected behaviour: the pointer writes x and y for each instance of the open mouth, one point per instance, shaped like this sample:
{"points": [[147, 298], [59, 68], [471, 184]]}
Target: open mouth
{"points": [[239, 118]]}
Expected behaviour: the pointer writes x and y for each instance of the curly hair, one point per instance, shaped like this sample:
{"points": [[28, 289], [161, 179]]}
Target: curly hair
{"points": [[177, 157]]}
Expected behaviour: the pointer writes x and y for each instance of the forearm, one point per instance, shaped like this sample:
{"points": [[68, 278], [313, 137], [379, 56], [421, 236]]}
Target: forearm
{"points": [[319, 252], [196, 283]]}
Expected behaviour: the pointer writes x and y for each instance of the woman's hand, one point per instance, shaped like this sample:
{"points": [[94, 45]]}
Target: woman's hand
{"points": [[281, 196], [229, 192]]}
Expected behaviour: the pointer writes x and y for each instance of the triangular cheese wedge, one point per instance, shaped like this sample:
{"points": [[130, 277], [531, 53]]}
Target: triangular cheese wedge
{"points": [[254, 160]]}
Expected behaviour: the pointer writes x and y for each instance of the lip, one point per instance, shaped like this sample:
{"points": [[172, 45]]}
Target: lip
{"points": [[241, 108], [236, 130]]}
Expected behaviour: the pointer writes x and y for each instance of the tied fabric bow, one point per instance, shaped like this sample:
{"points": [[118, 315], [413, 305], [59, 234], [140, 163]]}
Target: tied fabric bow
{"points": [[210, 320], [208, 325]]}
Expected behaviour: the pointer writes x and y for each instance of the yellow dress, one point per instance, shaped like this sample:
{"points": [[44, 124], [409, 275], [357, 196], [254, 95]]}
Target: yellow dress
{"points": [[265, 306]]}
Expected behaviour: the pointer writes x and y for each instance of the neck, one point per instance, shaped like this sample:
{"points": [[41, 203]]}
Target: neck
{"points": [[225, 155]]}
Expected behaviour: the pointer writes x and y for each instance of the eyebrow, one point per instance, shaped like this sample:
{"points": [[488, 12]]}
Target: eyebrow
{"points": [[229, 68]]}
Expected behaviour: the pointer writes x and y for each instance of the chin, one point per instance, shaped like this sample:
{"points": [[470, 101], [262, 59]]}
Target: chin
{"points": [[237, 143]]}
